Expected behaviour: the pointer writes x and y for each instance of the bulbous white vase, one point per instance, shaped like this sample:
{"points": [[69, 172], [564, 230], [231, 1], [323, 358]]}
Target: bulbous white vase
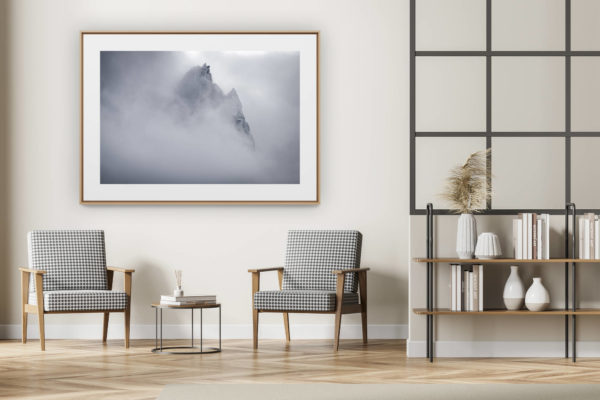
{"points": [[514, 291], [537, 297], [466, 236]]}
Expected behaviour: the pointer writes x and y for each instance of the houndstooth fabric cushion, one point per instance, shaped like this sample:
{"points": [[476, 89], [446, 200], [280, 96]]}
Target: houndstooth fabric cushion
{"points": [[82, 300], [311, 255], [72, 259], [300, 300]]}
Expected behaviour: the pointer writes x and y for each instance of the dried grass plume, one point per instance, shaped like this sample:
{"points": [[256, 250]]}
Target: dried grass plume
{"points": [[466, 187]]}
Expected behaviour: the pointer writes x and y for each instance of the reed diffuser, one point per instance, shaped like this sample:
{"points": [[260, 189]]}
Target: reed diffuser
{"points": [[178, 292]]}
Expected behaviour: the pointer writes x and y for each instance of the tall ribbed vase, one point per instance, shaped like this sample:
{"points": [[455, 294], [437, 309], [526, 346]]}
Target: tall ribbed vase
{"points": [[466, 236]]}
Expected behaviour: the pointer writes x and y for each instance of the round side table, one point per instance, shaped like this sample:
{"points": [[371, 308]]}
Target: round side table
{"points": [[191, 349]]}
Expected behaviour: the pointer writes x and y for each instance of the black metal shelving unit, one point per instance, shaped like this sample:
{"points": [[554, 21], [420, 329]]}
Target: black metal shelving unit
{"points": [[570, 261]]}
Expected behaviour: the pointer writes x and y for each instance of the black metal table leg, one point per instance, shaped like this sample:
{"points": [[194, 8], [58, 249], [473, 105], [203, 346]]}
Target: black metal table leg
{"points": [[192, 327], [200, 329], [161, 332], [219, 327], [155, 327]]}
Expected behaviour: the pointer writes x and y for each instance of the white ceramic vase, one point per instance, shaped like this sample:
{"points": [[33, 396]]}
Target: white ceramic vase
{"points": [[488, 246], [466, 236], [537, 297], [514, 291], [178, 292]]}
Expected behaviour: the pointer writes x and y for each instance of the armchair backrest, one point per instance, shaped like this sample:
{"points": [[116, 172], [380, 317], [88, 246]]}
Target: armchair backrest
{"points": [[311, 255], [72, 259]]}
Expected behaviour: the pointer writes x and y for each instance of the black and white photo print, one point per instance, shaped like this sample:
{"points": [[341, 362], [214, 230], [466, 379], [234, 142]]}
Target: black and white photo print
{"points": [[194, 117], [199, 117]]}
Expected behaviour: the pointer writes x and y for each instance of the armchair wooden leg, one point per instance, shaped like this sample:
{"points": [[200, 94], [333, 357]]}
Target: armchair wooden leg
{"points": [[286, 325], [127, 321], [336, 332], [363, 315], [105, 327], [339, 305], [40, 308], [24, 326], [362, 282], [24, 300], [41, 324], [255, 328]]}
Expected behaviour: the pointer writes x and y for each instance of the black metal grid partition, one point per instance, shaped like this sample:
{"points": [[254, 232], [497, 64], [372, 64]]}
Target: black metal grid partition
{"points": [[490, 55]]}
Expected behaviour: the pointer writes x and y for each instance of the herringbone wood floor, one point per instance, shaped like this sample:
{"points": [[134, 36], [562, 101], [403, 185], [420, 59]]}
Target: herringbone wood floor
{"points": [[70, 369]]}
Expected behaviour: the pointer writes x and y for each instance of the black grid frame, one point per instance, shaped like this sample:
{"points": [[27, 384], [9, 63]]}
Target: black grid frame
{"points": [[488, 53]]}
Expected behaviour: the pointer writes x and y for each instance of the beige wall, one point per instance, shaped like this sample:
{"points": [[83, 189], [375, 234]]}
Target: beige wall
{"points": [[364, 159]]}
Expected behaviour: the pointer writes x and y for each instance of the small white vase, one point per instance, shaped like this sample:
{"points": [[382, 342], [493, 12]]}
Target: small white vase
{"points": [[514, 291], [537, 297], [178, 292], [466, 236], [488, 246]]}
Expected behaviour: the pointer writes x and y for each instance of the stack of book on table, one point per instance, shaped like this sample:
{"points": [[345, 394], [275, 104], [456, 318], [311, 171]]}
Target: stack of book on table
{"points": [[589, 241], [531, 236], [187, 300], [467, 287]]}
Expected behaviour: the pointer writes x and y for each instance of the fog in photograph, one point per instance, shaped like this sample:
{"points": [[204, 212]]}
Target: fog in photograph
{"points": [[194, 117]]}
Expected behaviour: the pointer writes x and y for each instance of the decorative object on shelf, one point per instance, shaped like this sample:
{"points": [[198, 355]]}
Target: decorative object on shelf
{"points": [[199, 117], [466, 236], [467, 190], [514, 291], [488, 246], [178, 292], [537, 297]]}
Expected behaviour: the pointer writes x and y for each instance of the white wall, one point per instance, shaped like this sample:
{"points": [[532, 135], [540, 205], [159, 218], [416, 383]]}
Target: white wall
{"points": [[364, 159]]}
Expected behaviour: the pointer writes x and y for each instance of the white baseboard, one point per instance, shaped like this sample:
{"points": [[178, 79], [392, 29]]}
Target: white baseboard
{"points": [[501, 349], [210, 331]]}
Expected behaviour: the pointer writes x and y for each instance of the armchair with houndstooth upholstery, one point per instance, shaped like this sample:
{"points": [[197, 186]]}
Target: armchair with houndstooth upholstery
{"points": [[68, 274], [322, 275]]}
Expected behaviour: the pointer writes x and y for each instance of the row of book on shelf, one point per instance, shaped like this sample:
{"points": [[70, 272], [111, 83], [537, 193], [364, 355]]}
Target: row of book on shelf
{"points": [[531, 236], [187, 300], [467, 287], [589, 236]]}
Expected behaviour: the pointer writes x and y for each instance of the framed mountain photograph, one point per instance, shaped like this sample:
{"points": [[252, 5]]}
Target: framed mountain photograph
{"points": [[199, 117]]}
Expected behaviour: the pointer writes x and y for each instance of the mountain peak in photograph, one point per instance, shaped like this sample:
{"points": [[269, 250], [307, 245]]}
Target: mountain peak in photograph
{"points": [[200, 94]]}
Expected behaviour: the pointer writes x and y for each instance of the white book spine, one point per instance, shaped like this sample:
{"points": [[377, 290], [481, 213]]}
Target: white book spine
{"points": [[547, 233], [470, 291], [459, 288], [580, 231], [540, 240], [586, 239], [524, 235], [519, 239], [453, 288], [529, 237], [480, 287], [476, 288], [466, 290], [597, 238]]}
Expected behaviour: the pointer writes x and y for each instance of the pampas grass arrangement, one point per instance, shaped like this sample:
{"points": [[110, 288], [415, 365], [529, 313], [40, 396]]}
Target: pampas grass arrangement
{"points": [[466, 188]]}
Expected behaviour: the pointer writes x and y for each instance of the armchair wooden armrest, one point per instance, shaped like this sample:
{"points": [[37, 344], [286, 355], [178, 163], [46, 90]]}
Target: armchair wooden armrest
{"points": [[110, 271], [347, 271], [32, 271], [265, 269], [123, 270]]}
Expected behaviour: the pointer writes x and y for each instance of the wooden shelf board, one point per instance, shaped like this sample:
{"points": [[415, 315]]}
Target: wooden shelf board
{"points": [[446, 311], [503, 261]]}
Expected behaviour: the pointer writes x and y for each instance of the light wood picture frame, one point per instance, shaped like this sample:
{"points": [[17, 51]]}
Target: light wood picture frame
{"points": [[199, 118]]}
